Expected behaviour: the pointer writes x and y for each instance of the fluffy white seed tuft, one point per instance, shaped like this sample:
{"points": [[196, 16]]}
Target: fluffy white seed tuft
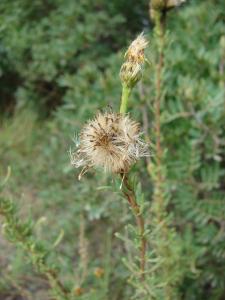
{"points": [[110, 141]]}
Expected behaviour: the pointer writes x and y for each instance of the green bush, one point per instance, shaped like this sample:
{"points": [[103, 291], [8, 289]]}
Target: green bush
{"points": [[45, 44], [60, 63]]}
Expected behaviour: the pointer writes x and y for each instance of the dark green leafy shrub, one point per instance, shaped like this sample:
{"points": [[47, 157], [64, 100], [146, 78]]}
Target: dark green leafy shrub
{"points": [[45, 43]]}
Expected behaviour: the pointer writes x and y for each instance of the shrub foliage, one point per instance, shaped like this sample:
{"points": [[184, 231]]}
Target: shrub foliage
{"points": [[60, 62]]}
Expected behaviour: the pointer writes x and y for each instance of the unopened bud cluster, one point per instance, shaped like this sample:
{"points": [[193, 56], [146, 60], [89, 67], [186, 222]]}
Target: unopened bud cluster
{"points": [[131, 70], [165, 4], [159, 6]]}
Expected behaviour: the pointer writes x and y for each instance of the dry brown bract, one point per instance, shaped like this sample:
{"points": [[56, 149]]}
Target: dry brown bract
{"points": [[135, 52], [110, 141]]}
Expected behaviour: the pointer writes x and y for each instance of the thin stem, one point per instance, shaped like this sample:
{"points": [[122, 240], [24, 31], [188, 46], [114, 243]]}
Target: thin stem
{"points": [[49, 273], [160, 39], [130, 195], [52, 277], [124, 99], [160, 35], [159, 202]]}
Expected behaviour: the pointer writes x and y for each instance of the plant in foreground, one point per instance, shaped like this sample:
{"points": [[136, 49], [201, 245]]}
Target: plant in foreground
{"points": [[113, 141]]}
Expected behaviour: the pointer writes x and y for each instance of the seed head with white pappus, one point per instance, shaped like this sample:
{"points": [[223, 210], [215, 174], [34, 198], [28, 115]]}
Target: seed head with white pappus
{"points": [[110, 141], [131, 70]]}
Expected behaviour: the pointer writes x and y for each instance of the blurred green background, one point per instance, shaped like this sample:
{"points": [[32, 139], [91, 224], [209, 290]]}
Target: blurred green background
{"points": [[60, 61]]}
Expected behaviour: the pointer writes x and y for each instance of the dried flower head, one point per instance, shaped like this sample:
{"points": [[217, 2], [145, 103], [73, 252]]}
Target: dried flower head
{"points": [[110, 141], [131, 70], [135, 52]]}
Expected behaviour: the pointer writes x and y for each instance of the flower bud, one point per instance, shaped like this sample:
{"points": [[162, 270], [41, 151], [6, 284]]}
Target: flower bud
{"points": [[158, 4], [164, 5], [99, 272], [131, 70], [130, 73]]}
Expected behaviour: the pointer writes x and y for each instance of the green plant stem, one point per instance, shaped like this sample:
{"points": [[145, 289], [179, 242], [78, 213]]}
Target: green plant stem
{"points": [[55, 282], [130, 195], [126, 91], [160, 206], [160, 38]]}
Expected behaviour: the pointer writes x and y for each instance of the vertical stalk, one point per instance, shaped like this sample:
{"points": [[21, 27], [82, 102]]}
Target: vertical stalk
{"points": [[130, 195], [159, 201], [56, 283], [129, 192], [160, 38], [124, 99]]}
